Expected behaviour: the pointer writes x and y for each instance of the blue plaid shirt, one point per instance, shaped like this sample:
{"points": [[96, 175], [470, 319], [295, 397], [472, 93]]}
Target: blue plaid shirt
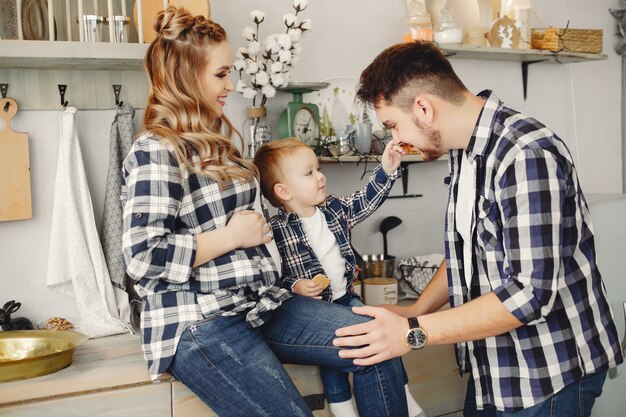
{"points": [[165, 206], [342, 213], [533, 247]]}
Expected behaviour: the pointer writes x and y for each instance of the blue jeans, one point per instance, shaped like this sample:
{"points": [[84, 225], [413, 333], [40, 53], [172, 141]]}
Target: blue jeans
{"points": [[237, 371], [336, 382], [575, 400]]}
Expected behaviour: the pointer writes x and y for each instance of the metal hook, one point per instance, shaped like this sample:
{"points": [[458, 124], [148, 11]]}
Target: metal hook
{"points": [[117, 89], [3, 90], [62, 89]]}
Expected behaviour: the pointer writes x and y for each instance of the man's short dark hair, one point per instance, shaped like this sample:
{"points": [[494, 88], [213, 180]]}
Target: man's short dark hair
{"points": [[402, 71]]}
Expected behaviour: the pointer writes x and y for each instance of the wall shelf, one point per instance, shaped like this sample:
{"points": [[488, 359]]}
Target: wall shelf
{"points": [[407, 160], [33, 70], [372, 158], [525, 56], [71, 55]]}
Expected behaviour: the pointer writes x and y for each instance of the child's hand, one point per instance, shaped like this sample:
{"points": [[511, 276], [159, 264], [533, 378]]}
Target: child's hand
{"points": [[307, 288], [391, 157]]}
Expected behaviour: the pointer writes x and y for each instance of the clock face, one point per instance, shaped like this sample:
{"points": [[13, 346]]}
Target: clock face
{"points": [[305, 127]]}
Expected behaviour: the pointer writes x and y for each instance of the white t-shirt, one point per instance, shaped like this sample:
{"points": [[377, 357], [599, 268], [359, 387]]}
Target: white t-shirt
{"points": [[327, 250], [465, 211]]}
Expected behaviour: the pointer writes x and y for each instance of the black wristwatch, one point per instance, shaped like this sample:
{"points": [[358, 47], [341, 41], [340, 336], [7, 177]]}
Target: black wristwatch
{"points": [[416, 336]]}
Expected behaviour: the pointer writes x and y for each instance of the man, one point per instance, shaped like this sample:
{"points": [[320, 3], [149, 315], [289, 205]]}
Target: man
{"points": [[529, 314]]}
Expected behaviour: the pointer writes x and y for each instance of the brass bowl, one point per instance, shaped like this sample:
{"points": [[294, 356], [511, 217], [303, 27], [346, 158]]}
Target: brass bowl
{"points": [[29, 353]]}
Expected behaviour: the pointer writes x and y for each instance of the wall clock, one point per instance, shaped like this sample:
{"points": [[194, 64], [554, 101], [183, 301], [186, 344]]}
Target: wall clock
{"points": [[299, 119]]}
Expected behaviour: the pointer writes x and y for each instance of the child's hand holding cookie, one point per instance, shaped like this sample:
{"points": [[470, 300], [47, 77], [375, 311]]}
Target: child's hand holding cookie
{"points": [[311, 287]]}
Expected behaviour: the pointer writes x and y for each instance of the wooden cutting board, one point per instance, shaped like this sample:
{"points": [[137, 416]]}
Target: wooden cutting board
{"points": [[150, 8], [15, 202]]}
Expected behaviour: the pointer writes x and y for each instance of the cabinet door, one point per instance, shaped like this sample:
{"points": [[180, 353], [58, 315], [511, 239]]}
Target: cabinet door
{"points": [[144, 401]]}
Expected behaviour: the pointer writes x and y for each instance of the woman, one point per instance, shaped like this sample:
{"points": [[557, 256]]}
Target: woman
{"points": [[199, 252]]}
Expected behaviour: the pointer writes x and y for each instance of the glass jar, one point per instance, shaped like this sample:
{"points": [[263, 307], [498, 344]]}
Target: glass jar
{"points": [[447, 30], [256, 130], [421, 27]]}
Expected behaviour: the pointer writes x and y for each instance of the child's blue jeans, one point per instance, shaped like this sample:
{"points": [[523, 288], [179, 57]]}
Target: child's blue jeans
{"points": [[336, 383]]}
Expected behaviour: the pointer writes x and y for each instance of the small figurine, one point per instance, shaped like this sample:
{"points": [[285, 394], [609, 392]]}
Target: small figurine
{"points": [[7, 323]]}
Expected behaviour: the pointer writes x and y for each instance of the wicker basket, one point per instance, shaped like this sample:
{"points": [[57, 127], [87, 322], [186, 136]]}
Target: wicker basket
{"points": [[567, 39]]}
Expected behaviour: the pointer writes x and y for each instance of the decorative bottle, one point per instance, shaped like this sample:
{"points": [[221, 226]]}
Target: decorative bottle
{"points": [[256, 130]]}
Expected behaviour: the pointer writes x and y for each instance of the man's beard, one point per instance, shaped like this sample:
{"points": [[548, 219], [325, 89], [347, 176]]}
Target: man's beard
{"points": [[433, 141]]}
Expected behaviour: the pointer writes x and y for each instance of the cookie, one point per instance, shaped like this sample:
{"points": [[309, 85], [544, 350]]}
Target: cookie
{"points": [[321, 280], [409, 149]]}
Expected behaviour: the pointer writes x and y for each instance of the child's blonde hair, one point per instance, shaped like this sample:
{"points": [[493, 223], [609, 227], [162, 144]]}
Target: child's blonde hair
{"points": [[268, 158]]}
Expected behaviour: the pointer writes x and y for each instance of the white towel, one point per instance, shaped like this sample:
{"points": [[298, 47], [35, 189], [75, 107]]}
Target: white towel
{"points": [[76, 264]]}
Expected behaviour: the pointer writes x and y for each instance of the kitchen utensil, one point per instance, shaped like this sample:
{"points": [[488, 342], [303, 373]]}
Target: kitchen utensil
{"points": [[386, 225], [8, 20], [150, 8], [15, 200], [35, 20], [377, 266], [92, 27], [377, 291], [29, 353], [120, 28]]}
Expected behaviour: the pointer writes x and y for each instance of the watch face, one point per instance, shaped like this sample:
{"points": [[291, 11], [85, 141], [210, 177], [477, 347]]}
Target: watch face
{"points": [[416, 338], [305, 126]]}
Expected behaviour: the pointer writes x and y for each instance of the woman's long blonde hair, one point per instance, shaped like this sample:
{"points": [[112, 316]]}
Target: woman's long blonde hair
{"points": [[176, 110]]}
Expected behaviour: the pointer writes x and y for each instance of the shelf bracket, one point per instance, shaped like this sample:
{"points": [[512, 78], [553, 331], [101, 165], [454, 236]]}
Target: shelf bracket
{"points": [[404, 175], [525, 65]]}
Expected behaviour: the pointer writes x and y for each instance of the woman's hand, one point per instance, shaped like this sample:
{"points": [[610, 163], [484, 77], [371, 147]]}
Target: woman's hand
{"points": [[307, 288], [249, 229], [392, 156]]}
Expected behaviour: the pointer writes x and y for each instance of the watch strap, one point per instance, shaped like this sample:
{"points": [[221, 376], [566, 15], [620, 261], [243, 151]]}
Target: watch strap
{"points": [[413, 323]]}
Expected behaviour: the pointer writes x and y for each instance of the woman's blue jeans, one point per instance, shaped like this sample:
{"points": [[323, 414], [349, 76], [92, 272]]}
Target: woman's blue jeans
{"points": [[336, 383], [575, 400], [237, 371]]}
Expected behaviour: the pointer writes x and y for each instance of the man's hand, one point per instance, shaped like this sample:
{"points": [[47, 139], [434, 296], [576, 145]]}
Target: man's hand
{"points": [[377, 340]]}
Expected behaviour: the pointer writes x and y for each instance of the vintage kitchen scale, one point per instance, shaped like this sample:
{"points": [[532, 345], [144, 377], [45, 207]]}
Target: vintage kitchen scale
{"points": [[301, 120]]}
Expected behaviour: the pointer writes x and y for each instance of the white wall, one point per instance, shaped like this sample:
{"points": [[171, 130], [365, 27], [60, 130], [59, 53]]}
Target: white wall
{"points": [[581, 102]]}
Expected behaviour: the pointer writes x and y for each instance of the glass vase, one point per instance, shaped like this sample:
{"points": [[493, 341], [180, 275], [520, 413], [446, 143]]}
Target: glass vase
{"points": [[256, 130]]}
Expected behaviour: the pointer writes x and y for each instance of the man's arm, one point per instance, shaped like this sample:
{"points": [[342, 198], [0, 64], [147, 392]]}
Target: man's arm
{"points": [[385, 337], [434, 296]]}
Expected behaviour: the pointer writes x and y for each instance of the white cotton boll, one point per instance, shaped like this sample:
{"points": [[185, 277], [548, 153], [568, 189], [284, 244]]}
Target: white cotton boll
{"points": [[284, 56], [254, 48], [241, 86], [286, 78], [249, 93], [297, 49], [248, 33], [277, 80], [268, 91], [262, 78], [306, 24], [295, 34], [289, 19], [242, 52], [276, 67], [284, 41], [270, 43], [252, 68], [295, 59], [300, 5], [257, 16], [239, 64]]}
